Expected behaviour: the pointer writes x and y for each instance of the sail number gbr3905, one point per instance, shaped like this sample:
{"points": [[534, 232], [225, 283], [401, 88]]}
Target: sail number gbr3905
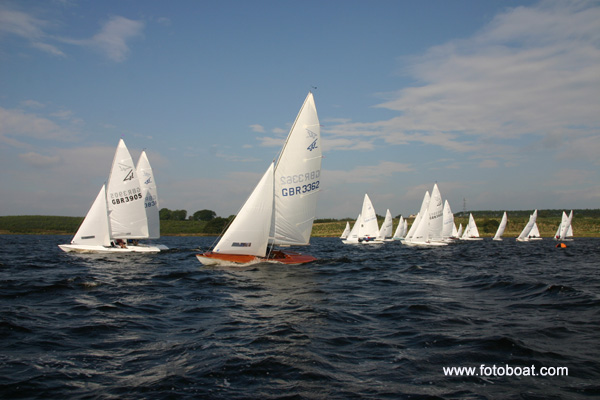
{"points": [[294, 185]]}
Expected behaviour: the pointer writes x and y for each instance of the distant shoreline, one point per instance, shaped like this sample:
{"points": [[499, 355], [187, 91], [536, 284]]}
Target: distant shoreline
{"points": [[586, 223]]}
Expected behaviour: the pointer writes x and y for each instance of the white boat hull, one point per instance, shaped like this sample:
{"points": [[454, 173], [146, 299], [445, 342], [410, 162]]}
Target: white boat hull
{"points": [[424, 244], [81, 248]]}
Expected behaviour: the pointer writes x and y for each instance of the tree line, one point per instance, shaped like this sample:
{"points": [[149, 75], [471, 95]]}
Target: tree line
{"points": [[212, 222]]}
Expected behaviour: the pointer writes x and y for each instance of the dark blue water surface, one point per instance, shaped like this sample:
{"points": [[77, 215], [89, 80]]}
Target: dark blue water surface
{"points": [[363, 322]]}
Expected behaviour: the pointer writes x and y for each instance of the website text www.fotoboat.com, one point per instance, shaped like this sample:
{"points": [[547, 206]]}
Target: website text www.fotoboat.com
{"points": [[505, 370]]}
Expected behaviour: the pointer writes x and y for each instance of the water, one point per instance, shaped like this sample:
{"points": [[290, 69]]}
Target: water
{"points": [[363, 322]]}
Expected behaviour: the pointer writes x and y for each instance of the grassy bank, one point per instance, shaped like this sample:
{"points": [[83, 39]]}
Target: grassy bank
{"points": [[584, 225]]}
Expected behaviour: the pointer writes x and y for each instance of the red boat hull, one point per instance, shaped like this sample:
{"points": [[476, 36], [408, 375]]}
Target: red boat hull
{"points": [[279, 257]]}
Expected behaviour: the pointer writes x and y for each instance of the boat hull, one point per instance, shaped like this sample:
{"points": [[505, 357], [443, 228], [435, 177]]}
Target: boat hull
{"points": [[276, 257], [80, 248], [424, 244]]}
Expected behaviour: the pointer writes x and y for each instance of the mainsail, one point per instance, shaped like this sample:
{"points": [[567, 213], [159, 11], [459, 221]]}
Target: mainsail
{"points": [[125, 199], [150, 195], [297, 178]]}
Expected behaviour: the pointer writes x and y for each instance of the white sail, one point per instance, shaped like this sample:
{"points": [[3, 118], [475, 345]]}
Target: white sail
{"points": [[399, 233], [417, 220], [524, 235], [297, 179], [386, 228], [471, 232], [369, 226], [249, 231], [150, 195], [501, 228], [346, 231], [353, 235], [449, 229], [460, 230], [94, 229], [125, 199], [563, 222], [421, 233], [567, 230], [534, 234], [436, 214]]}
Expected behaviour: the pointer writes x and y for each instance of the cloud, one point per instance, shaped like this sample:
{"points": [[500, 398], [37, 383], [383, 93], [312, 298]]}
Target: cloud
{"points": [[112, 40], [257, 128], [114, 35], [40, 161], [488, 164], [28, 27], [268, 141], [530, 72], [15, 123], [367, 173]]}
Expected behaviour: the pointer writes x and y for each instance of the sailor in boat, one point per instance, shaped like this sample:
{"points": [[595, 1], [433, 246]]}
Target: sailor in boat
{"points": [[121, 243]]}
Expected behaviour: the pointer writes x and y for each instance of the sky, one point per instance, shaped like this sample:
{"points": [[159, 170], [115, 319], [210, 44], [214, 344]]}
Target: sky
{"points": [[496, 101]]}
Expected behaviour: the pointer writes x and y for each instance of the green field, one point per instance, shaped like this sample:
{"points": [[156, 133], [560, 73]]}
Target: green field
{"points": [[586, 223]]}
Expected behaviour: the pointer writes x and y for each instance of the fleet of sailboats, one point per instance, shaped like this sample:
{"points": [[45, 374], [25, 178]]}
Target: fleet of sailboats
{"points": [[434, 226], [279, 212], [124, 211]]}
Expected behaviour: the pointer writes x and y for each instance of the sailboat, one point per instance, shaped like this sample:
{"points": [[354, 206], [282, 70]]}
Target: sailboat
{"points": [[429, 230], [524, 235], [346, 231], [501, 228], [417, 220], [281, 209], [459, 232], [365, 229], [449, 232], [565, 229], [119, 212], [385, 233], [534, 234], [400, 232], [471, 232]]}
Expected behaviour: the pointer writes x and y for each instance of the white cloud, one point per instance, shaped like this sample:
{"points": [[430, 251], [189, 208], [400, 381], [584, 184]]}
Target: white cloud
{"points": [[32, 104], [366, 173], [112, 39], [257, 128], [114, 35], [16, 124], [488, 164], [39, 160], [531, 71], [29, 28]]}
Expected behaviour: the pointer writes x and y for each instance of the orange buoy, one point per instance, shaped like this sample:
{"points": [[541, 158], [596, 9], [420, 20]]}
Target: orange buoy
{"points": [[561, 245]]}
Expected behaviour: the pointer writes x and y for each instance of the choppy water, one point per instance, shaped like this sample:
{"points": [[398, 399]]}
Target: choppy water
{"points": [[362, 322]]}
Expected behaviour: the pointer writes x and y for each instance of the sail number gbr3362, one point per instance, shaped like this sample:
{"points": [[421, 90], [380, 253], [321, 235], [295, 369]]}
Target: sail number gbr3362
{"points": [[293, 185]]}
